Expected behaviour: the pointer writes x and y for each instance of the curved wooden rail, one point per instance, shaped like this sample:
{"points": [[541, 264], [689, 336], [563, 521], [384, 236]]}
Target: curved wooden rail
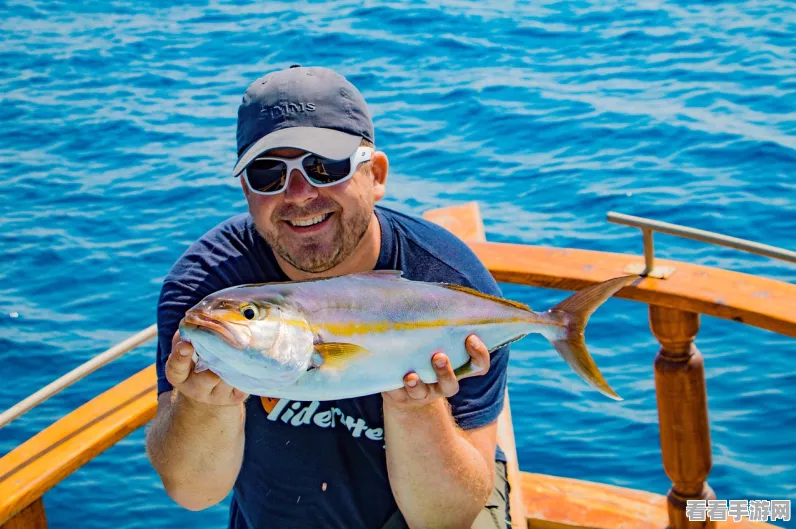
{"points": [[753, 300], [30, 470]]}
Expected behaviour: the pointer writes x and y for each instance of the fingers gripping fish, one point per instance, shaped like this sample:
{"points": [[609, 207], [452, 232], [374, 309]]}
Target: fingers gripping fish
{"points": [[359, 334]]}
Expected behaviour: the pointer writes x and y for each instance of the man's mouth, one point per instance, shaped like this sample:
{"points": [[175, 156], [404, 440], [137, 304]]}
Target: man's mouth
{"points": [[306, 223]]}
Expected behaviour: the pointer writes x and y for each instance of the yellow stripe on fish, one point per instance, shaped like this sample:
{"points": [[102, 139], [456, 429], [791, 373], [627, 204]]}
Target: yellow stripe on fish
{"points": [[301, 324], [384, 326]]}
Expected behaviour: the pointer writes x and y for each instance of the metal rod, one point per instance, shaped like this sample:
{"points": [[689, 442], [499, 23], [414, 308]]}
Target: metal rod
{"points": [[649, 251], [78, 373], [704, 236]]}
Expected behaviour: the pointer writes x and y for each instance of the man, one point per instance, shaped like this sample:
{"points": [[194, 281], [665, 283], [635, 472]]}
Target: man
{"points": [[422, 456]]}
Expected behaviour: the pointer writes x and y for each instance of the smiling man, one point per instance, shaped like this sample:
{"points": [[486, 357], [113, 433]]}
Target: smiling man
{"points": [[421, 456]]}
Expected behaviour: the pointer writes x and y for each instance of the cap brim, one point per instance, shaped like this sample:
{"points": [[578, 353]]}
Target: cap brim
{"points": [[328, 143]]}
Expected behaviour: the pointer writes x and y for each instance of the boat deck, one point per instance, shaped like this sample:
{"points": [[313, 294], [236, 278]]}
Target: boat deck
{"points": [[553, 502]]}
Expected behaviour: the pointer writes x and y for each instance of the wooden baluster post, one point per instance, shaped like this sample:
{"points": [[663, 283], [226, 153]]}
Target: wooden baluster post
{"points": [[31, 517], [682, 412]]}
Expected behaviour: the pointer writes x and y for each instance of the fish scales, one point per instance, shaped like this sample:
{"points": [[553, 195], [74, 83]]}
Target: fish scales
{"points": [[403, 328], [376, 309]]}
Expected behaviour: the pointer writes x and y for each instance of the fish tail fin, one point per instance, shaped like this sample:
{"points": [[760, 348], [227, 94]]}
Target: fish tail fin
{"points": [[573, 314]]}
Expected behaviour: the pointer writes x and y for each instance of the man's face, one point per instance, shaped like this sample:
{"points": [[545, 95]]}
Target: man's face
{"points": [[344, 210]]}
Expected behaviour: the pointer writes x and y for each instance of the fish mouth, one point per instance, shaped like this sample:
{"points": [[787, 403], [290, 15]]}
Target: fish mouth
{"points": [[223, 329]]}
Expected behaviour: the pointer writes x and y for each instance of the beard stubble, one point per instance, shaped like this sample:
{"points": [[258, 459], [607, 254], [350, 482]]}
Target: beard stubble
{"points": [[319, 256]]}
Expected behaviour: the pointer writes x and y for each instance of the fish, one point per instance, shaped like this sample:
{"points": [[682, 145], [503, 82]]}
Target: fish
{"points": [[359, 334]]}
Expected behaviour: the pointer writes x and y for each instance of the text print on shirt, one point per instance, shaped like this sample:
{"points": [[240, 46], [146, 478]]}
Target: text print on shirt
{"points": [[296, 415]]}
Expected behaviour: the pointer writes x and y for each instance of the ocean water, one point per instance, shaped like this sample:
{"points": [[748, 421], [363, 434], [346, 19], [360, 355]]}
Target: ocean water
{"points": [[118, 138]]}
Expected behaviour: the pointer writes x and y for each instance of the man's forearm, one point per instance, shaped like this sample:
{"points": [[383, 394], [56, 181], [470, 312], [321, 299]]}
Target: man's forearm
{"points": [[197, 449], [438, 477]]}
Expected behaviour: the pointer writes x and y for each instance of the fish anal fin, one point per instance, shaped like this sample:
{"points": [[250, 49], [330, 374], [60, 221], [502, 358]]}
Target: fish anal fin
{"points": [[473, 292], [465, 369], [507, 342], [337, 355], [469, 367]]}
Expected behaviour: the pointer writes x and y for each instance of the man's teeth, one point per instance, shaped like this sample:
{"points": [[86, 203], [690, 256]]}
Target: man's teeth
{"points": [[310, 222]]}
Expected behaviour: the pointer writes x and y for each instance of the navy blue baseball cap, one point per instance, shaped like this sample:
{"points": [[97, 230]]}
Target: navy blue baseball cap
{"points": [[309, 108]]}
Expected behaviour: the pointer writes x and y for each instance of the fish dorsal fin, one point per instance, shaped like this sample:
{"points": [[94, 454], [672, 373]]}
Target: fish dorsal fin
{"points": [[335, 355], [387, 275], [370, 274], [275, 283], [473, 292]]}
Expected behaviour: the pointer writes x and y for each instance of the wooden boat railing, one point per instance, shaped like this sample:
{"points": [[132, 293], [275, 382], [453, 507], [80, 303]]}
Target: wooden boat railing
{"points": [[538, 501]]}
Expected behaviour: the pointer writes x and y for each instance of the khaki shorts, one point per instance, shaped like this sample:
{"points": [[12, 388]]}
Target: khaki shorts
{"points": [[494, 515]]}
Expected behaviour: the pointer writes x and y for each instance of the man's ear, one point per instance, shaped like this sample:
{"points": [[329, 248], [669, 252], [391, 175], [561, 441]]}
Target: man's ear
{"points": [[379, 167], [244, 186]]}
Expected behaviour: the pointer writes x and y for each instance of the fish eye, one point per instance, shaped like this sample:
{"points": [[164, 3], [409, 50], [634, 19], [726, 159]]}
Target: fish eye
{"points": [[250, 312]]}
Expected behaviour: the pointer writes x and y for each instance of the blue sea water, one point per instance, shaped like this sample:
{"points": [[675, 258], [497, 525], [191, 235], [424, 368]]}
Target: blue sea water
{"points": [[118, 138]]}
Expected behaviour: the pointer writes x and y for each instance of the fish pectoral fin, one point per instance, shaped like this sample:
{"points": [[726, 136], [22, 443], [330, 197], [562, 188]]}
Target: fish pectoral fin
{"points": [[200, 364], [338, 355]]}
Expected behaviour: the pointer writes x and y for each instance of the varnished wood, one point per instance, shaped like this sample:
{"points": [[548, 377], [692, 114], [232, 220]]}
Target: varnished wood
{"points": [[31, 517], [682, 412], [31, 469], [553, 502], [462, 220], [465, 222], [753, 300], [674, 329]]}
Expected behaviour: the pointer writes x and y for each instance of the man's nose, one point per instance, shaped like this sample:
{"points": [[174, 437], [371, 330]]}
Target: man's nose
{"points": [[299, 191]]}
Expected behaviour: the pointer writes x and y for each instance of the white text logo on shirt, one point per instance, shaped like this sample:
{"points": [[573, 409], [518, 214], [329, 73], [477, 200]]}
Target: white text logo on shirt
{"points": [[301, 414]]}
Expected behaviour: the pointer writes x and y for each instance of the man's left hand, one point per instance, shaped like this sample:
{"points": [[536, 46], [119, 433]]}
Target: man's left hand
{"points": [[416, 393]]}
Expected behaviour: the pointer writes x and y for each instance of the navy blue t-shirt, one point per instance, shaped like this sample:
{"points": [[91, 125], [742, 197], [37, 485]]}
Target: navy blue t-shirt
{"points": [[323, 464]]}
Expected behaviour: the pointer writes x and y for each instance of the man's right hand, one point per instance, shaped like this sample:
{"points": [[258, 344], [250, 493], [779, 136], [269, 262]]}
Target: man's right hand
{"points": [[205, 387], [197, 436]]}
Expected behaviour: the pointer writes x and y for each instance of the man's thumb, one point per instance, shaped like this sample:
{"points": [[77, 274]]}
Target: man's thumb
{"points": [[180, 362]]}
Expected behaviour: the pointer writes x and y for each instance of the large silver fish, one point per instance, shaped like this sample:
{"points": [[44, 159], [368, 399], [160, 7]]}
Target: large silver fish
{"points": [[360, 334]]}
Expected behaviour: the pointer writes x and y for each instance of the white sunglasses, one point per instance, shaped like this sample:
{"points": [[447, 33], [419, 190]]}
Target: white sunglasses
{"points": [[270, 175]]}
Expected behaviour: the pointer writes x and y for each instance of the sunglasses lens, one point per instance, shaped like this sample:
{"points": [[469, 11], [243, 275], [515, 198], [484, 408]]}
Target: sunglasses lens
{"points": [[266, 175], [325, 171]]}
